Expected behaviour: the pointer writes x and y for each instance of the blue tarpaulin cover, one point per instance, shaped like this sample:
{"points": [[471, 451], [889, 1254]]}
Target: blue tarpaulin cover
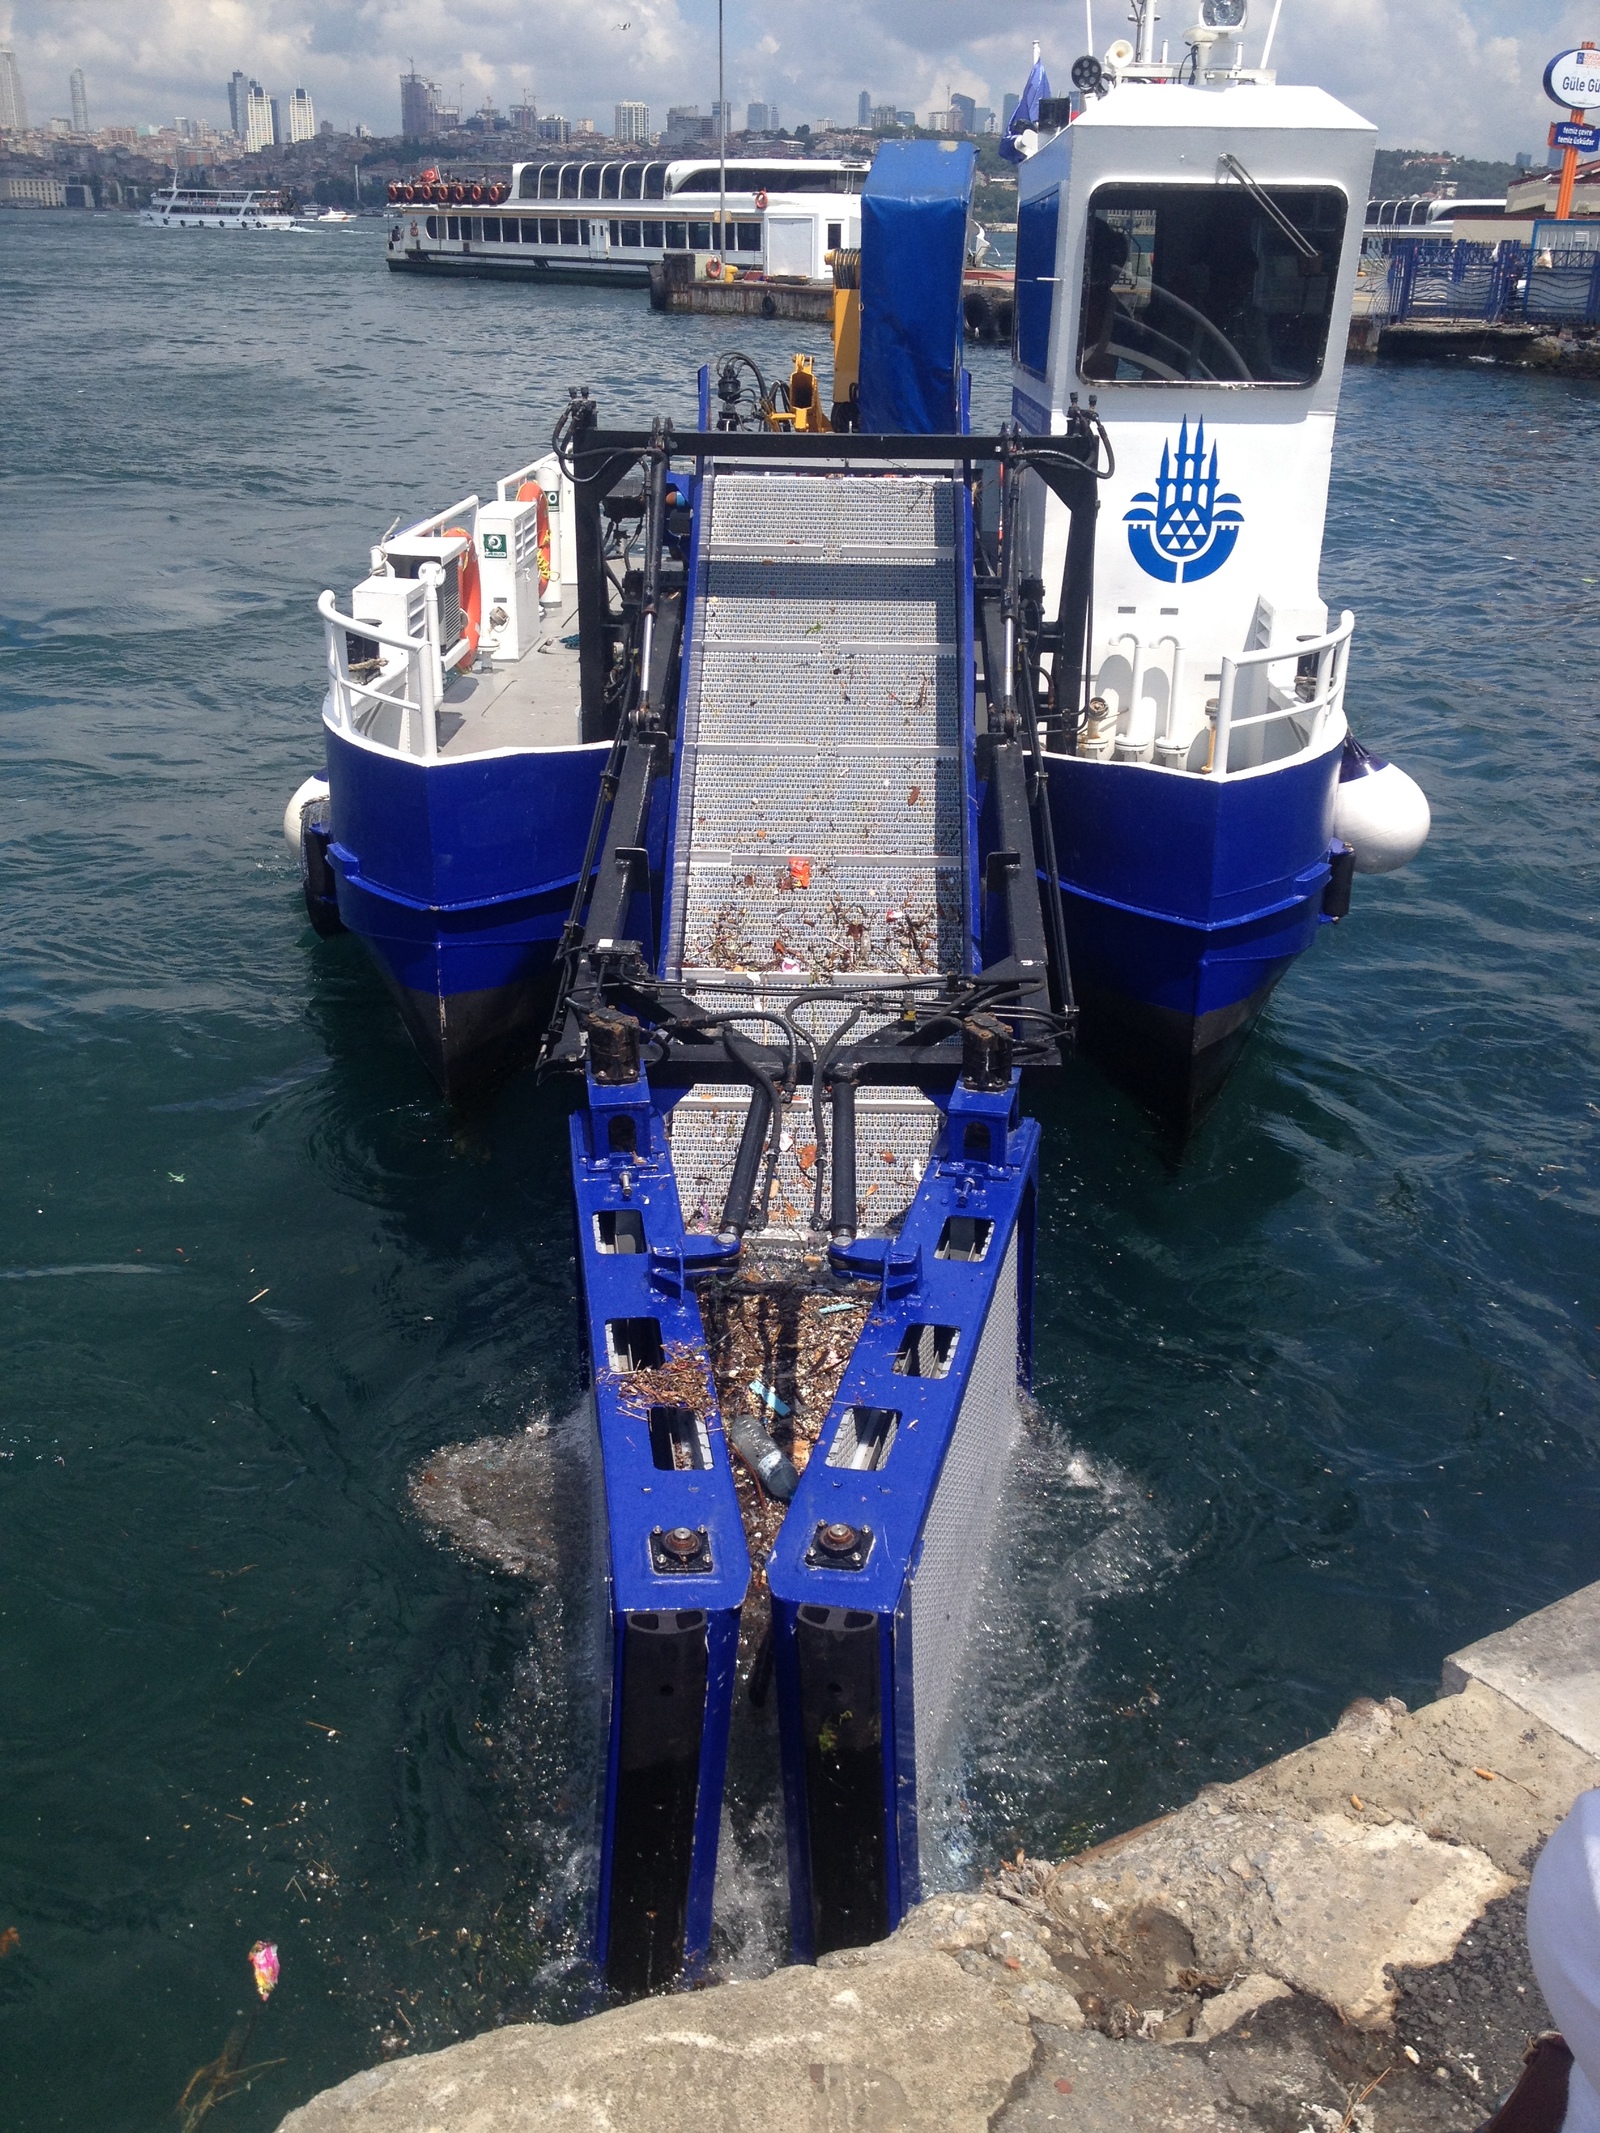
{"points": [[913, 250]]}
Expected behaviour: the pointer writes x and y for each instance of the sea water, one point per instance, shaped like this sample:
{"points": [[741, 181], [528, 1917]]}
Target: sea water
{"points": [[1314, 1404]]}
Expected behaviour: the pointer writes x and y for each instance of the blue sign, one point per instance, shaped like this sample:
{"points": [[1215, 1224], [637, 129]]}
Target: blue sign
{"points": [[1185, 527], [1586, 139], [1573, 79]]}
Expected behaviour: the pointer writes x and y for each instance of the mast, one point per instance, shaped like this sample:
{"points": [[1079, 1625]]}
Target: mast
{"points": [[722, 131]]}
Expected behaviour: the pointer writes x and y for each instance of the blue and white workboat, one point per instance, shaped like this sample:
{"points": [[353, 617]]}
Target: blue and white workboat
{"points": [[1186, 254], [807, 781]]}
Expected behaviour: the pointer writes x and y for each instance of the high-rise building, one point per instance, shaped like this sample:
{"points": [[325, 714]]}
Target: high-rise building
{"points": [[13, 108], [633, 123], [238, 109], [686, 128], [260, 129], [554, 128], [524, 115], [419, 107], [302, 116], [760, 118], [864, 109], [882, 117], [80, 101], [963, 114]]}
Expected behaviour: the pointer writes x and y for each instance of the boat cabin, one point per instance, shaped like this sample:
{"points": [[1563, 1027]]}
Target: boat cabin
{"points": [[1185, 262]]}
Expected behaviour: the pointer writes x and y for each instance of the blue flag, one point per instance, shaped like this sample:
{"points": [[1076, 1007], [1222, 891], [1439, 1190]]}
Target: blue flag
{"points": [[1026, 115]]}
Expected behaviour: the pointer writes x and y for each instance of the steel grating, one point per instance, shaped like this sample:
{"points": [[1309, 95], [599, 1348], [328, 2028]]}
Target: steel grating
{"points": [[833, 695], [955, 1533], [821, 818], [891, 919], [832, 511], [764, 801], [797, 602], [895, 1133]]}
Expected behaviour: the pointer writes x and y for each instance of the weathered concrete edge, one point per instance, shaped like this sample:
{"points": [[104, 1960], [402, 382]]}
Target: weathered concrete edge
{"points": [[1406, 1824], [1548, 1664]]}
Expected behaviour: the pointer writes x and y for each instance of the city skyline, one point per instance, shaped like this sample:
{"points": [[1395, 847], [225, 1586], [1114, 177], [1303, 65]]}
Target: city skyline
{"points": [[1481, 60]]}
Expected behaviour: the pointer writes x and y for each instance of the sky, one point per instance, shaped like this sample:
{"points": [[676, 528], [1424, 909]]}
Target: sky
{"points": [[1462, 74]]}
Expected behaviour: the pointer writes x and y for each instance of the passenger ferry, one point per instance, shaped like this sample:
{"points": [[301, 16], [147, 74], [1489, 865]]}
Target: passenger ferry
{"points": [[594, 221], [185, 207]]}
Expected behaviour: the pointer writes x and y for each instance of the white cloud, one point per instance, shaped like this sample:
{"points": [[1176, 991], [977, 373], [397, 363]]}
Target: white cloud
{"points": [[1457, 73]]}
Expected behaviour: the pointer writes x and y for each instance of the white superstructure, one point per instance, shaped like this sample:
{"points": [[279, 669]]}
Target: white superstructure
{"points": [[1185, 257], [591, 220], [183, 207]]}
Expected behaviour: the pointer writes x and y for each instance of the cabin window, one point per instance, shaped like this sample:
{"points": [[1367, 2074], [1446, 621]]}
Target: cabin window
{"points": [[1037, 221], [549, 230], [1205, 285], [491, 229], [569, 232], [699, 236], [569, 181], [452, 226], [835, 239], [610, 181], [653, 234], [528, 185], [589, 182], [433, 225], [677, 236], [655, 181], [630, 232], [550, 182], [631, 174], [747, 236]]}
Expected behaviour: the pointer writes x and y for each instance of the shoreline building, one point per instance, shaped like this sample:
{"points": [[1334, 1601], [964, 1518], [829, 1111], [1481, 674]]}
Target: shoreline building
{"points": [[632, 123], [13, 105], [80, 101], [419, 106]]}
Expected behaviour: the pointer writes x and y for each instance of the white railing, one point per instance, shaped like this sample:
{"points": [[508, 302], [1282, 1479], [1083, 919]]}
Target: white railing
{"points": [[508, 484], [1332, 654], [467, 508], [415, 690]]}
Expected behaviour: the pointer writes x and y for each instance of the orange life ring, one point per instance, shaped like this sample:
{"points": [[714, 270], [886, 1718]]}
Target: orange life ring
{"points": [[471, 593], [458, 192], [761, 202], [713, 270], [394, 193], [475, 194], [530, 492]]}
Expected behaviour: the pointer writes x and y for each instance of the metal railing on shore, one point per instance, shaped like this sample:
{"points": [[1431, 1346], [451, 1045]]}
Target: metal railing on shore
{"points": [[1410, 276]]}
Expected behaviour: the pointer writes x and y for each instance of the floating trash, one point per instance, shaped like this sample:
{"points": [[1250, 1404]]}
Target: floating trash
{"points": [[264, 1966]]}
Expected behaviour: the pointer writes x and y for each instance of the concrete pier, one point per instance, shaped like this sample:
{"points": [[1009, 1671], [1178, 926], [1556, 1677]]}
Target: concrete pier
{"points": [[1332, 1944]]}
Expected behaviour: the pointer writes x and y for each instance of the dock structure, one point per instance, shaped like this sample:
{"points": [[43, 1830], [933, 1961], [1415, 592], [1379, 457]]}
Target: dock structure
{"points": [[1345, 1922]]}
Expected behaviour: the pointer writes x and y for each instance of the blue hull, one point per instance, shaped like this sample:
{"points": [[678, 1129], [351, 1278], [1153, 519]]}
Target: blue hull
{"points": [[1187, 899], [458, 876]]}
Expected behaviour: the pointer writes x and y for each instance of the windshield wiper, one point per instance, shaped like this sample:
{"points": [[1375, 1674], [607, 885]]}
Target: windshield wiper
{"points": [[1269, 206]]}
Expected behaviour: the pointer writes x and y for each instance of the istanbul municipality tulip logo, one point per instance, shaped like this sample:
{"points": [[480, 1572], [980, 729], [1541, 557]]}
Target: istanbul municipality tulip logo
{"points": [[1185, 528]]}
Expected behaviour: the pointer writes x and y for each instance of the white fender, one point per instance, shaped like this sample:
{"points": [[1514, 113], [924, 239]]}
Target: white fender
{"points": [[294, 813], [1378, 811]]}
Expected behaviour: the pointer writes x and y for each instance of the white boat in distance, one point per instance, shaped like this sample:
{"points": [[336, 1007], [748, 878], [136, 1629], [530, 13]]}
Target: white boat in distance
{"points": [[184, 207], [589, 220]]}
